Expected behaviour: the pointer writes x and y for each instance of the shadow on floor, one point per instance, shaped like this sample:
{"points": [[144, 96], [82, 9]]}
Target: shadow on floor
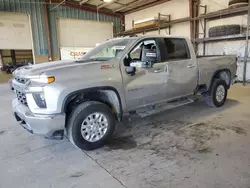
{"points": [[129, 132]]}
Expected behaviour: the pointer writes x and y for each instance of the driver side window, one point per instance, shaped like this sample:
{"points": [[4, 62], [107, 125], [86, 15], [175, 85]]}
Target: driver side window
{"points": [[136, 53]]}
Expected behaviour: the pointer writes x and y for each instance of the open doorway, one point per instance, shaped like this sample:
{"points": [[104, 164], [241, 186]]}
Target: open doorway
{"points": [[12, 59]]}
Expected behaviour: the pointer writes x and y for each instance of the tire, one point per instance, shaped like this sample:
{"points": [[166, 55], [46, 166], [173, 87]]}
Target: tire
{"points": [[224, 30], [233, 2], [79, 115], [210, 96]]}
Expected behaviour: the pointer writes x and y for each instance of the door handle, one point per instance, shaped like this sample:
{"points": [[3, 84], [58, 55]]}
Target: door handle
{"points": [[157, 70], [190, 66]]}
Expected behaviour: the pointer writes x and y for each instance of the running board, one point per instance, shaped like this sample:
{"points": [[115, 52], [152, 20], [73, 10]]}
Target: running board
{"points": [[163, 107]]}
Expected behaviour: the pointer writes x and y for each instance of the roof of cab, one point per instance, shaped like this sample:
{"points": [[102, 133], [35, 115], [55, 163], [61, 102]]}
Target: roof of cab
{"points": [[153, 36], [159, 36]]}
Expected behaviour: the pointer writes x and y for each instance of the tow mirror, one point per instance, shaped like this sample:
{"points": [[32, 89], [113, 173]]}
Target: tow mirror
{"points": [[130, 70], [141, 64], [149, 55]]}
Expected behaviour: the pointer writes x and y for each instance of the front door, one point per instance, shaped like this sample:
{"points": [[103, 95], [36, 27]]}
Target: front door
{"points": [[147, 85]]}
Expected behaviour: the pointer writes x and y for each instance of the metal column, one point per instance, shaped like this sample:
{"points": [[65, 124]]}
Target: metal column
{"points": [[246, 47], [47, 29]]}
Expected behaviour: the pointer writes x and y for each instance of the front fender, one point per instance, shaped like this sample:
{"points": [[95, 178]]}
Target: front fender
{"points": [[67, 98]]}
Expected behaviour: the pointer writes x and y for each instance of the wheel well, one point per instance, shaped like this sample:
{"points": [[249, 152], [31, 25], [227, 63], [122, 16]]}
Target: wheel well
{"points": [[106, 96], [222, 75]]}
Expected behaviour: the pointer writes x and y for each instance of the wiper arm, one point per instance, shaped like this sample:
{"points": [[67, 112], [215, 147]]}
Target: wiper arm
{"points": [[90, 60], [83, 60]]}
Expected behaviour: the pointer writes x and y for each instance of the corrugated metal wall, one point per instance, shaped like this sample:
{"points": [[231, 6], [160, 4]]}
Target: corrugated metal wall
{"points": [[67, 12], [37, 18], [35, 9]]}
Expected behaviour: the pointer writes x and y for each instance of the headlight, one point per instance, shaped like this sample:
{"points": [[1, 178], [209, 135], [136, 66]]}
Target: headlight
{"points": [[36, 83], [40, 100], [42, 79]]}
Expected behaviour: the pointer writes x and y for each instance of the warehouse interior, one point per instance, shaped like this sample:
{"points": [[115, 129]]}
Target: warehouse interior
{"points": [[191, 146], [46, 27]]}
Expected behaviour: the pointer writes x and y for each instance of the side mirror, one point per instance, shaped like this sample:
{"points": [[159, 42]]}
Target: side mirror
{"points": [[149, 55], [141, 64], [130, 70]]}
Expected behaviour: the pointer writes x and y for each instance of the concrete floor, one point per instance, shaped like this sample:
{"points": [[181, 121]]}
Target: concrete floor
{"points": [[189, 147]]}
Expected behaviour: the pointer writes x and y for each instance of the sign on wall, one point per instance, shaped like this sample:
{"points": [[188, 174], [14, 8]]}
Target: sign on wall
{"points": [[70, 53]]}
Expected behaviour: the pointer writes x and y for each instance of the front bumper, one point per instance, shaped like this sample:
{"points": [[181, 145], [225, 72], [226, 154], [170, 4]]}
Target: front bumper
{"points": [[49, 126]]}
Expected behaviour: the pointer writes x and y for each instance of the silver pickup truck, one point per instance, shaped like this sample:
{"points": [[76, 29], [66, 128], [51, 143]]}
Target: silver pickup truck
{"points": [[83, 99]]}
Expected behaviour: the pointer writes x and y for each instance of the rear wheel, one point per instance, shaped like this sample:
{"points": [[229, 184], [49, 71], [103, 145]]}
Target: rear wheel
{"points": [[217, 95], [90, 125]]}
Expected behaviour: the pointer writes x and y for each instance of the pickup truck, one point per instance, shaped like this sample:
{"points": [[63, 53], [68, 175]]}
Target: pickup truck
{"points": [[83, 99]]}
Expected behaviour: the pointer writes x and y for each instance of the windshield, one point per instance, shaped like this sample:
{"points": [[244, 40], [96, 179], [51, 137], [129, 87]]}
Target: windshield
{"points": [[108, 50]]}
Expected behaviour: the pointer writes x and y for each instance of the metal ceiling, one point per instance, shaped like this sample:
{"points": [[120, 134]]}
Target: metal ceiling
{"points": [[120, 6]]}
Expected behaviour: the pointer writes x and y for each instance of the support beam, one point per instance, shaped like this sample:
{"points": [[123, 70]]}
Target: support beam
{"points": [[147, 5], [106, 4], [46, 23], [227, 12], [83, 1], [13, 56], [246, 46], [57, 5], [92, 8], [205, 31], [191, 14], [128, 5], [86, 7], [1, 59], [122, 23]]}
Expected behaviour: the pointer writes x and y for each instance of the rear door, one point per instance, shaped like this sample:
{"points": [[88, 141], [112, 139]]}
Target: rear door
{"points": [[182, 70]]}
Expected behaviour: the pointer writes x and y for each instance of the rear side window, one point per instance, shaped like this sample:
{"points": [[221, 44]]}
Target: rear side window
{"points": [[177, 49]]}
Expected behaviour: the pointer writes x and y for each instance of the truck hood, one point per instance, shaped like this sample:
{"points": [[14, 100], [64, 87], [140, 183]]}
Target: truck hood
{"points": [[38, 69]]}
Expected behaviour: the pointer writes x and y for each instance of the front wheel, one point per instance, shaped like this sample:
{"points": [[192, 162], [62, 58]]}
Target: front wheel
{"points": [[217, 95], [90, 125]]}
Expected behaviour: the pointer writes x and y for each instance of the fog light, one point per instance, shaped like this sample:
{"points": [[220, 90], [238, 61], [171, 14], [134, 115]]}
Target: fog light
{"points": [[40, 100]]}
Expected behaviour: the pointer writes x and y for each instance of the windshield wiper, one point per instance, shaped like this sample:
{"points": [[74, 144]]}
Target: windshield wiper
{"points": [[90, 60], [84, 60]]}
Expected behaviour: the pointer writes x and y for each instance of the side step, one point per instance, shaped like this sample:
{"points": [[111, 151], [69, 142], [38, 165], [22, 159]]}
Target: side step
{"points": [[162, 107]]}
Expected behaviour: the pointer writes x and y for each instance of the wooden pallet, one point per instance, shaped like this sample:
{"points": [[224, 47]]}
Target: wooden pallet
{"points": [[148, 24]]}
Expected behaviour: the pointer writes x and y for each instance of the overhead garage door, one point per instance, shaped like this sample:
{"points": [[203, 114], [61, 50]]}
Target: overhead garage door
{"points": [[78, 36], [15, 32]]}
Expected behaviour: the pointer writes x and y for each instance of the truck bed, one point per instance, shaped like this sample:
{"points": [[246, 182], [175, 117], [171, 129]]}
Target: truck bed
{"points": [[209, 65]]}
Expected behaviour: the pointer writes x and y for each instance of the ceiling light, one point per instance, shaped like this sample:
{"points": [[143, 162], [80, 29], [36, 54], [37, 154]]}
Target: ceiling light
{"points": [[107, 1]]}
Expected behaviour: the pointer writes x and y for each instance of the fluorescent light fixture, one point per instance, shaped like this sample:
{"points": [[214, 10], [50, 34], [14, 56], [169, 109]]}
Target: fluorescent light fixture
{"points": [[107, 1]]}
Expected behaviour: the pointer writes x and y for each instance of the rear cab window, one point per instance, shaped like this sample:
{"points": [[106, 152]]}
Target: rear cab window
{"points": [[177, 49]]}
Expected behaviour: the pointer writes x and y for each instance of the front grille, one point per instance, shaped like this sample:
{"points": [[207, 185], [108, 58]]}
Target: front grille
{"points": [[21, 80], [21, 97]]}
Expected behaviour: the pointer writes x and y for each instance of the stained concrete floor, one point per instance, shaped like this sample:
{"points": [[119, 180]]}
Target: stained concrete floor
{"points": [[192, 146]]}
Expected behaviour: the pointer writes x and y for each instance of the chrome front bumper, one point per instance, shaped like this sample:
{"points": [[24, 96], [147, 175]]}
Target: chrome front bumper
{"points": [[49, 126]]}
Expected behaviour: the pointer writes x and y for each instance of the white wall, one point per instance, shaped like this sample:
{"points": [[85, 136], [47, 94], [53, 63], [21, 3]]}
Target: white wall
{"points": [[224, 48], [177, 9], [214, 5], [83, 33]]}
